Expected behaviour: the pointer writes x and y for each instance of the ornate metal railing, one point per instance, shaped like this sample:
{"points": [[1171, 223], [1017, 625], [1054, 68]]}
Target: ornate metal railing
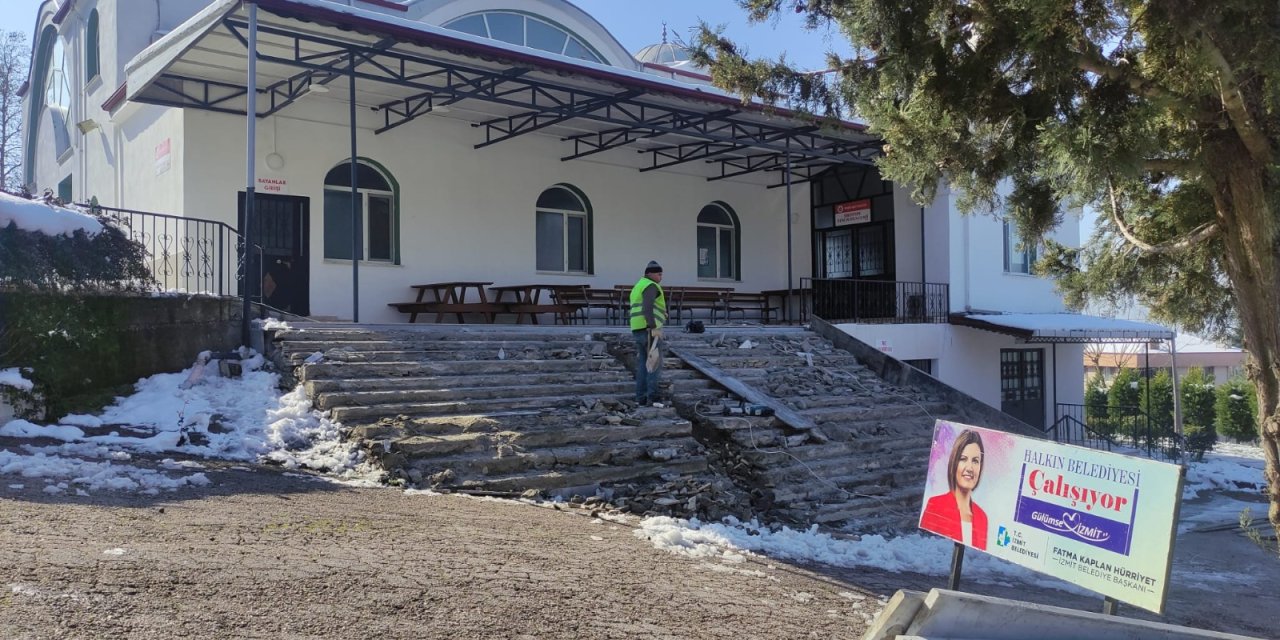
{"points": [[186, 255], [879, 301]]}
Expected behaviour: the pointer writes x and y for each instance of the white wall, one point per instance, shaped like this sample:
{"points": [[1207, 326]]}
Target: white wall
{"points": [[908, 242], [467, 214], [903, 341], [979, 281], [971, 363]]}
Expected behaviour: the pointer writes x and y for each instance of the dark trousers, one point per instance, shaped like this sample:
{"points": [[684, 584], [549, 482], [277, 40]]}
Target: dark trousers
{"points": [[646, 380]]}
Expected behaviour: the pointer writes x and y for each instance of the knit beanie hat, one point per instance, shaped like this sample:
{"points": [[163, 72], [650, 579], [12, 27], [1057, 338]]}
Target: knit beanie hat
{"points": [[653, 267]]}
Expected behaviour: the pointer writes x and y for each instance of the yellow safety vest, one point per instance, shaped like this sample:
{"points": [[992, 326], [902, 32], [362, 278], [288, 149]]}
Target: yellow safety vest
{"points": [[637, 305]]}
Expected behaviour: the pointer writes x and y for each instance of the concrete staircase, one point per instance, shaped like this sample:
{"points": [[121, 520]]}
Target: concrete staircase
{"points": [[512, 409], [861, 467], [505, 410]]}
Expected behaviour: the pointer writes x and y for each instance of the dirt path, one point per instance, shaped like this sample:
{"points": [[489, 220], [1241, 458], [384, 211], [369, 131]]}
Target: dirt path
{"points": [[264, 555], [261, 554]]}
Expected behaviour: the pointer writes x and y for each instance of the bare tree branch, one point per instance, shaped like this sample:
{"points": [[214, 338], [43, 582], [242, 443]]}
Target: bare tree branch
{"points": [[1195, 237]]}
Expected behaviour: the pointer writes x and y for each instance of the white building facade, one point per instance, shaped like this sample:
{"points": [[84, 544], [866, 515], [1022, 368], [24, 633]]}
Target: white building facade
{"points": [[138, 104]]}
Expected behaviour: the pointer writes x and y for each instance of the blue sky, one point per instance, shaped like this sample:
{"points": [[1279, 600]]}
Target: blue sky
{"points": [[635, 24]]}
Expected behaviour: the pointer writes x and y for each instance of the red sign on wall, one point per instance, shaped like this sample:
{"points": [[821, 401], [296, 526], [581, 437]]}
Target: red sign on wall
{"points": [[853, 212]]}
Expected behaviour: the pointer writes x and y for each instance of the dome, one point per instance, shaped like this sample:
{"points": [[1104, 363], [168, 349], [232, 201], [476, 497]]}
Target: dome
{"points": [[665, 53]]}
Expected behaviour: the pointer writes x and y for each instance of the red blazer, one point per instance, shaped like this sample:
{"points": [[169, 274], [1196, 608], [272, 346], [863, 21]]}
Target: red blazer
{"points": [[942, 516]]}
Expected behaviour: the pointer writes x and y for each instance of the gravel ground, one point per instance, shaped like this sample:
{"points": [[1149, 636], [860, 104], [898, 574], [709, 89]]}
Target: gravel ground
{"points": [[268, 555], [265, 554]]}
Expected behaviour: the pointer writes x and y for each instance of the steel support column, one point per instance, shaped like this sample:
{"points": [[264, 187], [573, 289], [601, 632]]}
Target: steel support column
{"points": [[356, 240], [251, 153]]}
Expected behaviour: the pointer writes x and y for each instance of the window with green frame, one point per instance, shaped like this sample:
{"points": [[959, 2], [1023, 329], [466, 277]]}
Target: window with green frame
{"points": [[377, 213], [92, 67], [563, 231]]}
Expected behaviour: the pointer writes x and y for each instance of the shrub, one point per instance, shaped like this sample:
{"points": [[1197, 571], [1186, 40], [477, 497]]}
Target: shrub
{"points": [[1157, 401], [1235, 417], [46, 323], [1199, 438], [1197, 399]]}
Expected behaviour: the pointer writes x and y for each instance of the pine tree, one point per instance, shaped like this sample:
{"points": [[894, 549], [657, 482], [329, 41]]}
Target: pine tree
{"points": [[1162, 114], [1235, 415], [1197, 398]]}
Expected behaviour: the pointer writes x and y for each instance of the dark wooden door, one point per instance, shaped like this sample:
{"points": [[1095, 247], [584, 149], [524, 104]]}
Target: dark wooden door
{"points": [[281, 228], [1022, 385]]}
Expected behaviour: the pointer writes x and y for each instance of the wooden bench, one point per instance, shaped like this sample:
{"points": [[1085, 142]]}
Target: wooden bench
{"points": [[486, 309], [682, 301]]}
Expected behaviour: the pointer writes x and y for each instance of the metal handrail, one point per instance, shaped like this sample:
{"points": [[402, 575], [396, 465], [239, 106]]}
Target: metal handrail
{"points": [[186, 255], [1129, 426]]}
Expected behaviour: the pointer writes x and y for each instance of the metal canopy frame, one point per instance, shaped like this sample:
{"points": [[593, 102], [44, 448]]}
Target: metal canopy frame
{"points": [[725, 137]]}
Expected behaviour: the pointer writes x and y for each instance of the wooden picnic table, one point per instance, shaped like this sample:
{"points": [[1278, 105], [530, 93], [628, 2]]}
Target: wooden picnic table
{"points": [[450, 297], [527, 300]]}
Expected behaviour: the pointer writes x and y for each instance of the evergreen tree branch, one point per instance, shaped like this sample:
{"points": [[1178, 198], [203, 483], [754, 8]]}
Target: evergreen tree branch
{"points": [[1091, 60], [1233, 100], [1182, 168], [1196, 236]]}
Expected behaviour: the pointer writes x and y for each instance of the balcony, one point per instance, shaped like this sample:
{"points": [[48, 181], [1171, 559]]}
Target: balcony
{"points": [[878, 301]]}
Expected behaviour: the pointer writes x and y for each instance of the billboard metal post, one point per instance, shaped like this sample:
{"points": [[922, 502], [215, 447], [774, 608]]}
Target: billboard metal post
{"points": [[957, 564]]}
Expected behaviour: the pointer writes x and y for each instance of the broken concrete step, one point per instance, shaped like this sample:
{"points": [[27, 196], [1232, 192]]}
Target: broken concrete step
{"points": [[845, 469], [829, 450], [419, 355], [845, 488], [397, 427], [405, 369], [892, 411], [578, 434], [482, 406], [421, 344], [339, 385], [464, 393], [896, 503], [449, 333], [472, 467], [592, 476]]}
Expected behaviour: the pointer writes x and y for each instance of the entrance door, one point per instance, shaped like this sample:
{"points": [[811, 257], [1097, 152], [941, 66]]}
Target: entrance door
{"points": [[281, 228], [1022, 385]]}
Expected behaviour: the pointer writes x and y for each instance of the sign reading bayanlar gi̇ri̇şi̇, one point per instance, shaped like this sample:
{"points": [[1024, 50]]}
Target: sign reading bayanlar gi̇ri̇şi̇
{"points": [[1101, 520]]}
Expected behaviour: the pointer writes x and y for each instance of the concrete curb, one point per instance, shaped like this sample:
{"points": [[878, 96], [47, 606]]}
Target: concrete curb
{"points": [[955, 615]]}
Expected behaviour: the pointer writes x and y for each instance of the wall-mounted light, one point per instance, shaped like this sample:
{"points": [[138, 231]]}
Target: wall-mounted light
{"points": [[85, 126]]}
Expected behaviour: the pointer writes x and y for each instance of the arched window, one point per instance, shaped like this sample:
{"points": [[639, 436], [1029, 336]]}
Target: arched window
{"points": [[719, 243], [92, 68], [526, 31], [564, 230], [49, 91], [377, 213]]}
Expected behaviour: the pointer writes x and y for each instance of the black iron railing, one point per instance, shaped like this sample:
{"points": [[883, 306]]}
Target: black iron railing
{"points": [[186, 255], [879, 301], [1101, 427]]}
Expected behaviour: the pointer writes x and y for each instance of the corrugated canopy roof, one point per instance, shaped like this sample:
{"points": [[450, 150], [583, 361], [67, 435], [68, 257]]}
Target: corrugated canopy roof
{"points": [[1063, 327]]}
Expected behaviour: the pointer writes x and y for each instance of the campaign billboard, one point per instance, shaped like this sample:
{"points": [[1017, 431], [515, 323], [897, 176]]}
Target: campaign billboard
{"points": [[1102, 520]]}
